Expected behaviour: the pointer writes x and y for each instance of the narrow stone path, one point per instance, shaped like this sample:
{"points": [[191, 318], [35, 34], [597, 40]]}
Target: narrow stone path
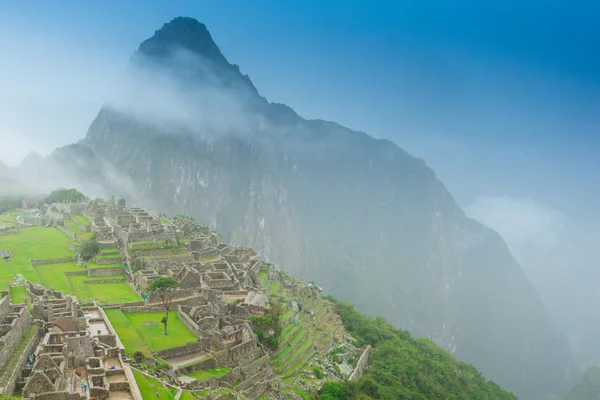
{"points": [[178, 394]]}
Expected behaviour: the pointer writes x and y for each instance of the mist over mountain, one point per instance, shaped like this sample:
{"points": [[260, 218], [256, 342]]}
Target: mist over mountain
{"points": [[188, 132]]}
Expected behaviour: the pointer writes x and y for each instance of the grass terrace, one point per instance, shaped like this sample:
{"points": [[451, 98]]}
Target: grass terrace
{"points": [[72, 226], [53, 275], [274, 289], [263, 278], [208, 374], [18, 294], [145, 332], [81, 219], [93, 265], [150, 387], [32, 242]]}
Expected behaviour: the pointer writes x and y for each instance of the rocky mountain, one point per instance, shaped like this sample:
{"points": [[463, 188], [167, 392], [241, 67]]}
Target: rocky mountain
{"points": [[367, 221]]}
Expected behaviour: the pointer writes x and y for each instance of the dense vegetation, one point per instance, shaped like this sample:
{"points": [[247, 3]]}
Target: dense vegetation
{"points": [[89, 249], [268, 327], [587, 386], [64, 196], [406, 368], [9, 203]]}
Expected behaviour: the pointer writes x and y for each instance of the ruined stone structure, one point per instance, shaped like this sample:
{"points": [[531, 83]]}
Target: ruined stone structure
{"points": [[79, 355]]}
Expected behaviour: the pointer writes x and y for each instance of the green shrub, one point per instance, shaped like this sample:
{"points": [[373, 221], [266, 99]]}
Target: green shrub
{"points": [[89, 249], [318, 373], [138, 356]]}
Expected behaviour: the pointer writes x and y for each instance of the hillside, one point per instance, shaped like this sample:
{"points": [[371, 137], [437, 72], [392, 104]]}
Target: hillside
{"points": [[239, 327], [586, 386], [373, 225]]}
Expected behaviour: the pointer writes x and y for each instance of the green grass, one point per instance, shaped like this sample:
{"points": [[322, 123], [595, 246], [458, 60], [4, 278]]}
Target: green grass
{"points": [[187, 395], [110, 293], [262, 277], [53, 275], [32, 242], [206, 374], [93, 265], [288, 314], [17, 294], [81, 219], [149, 386], [127, 333], [145, 332], [274, 288], [72, 226]]}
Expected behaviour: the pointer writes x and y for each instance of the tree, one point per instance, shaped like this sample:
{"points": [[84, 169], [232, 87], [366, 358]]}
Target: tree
{"points": [[122, 202], [164, 286], [89, 249]]}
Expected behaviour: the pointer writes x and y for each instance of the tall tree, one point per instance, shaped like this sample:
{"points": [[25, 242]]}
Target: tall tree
{"points": [[164, 287]]}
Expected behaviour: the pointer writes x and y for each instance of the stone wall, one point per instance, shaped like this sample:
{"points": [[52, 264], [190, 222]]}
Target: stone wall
{"points": [[110, 340], [187, 321], [10, 384], [259, 376], [4, 306], [255, 366], [205, 364], [56, 396], [205, 254], [55, 261], [179, 351], [73, 247], [142, 309], [105, 271], [361, 365], [66, 232], [158, 252], [75, 273], [13, 333], [243, 353], [108, 260], [92, 282]]}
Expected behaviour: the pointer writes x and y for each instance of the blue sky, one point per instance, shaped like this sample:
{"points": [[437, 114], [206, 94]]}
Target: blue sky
{"points": [[500, 98]]}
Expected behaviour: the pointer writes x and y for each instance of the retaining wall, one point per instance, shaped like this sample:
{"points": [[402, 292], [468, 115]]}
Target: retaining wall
{"points": [[361, 365], [55, 261], [105, 271], [180, 351]]}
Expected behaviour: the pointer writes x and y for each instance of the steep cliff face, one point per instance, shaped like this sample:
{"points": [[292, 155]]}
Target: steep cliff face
{"points": [[367, 221]]}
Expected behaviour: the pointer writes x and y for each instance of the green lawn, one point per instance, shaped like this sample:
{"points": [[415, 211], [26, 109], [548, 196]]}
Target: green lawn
{"points": [[53, 275], [93, 265], [262, 277], [206, 374], [111, 293], [31, 242], [17, 294], [145, 332], [81, 219], [274, 288], [149, 386], [127, 333], [72, 226], [187, 395]]}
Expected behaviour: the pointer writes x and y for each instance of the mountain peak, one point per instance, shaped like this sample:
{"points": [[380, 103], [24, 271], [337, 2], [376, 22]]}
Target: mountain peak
{"points": [[183, 32], [188, 34]]}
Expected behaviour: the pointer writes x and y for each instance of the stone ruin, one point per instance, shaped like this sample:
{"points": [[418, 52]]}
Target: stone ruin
{"points": [[78, 355]]}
